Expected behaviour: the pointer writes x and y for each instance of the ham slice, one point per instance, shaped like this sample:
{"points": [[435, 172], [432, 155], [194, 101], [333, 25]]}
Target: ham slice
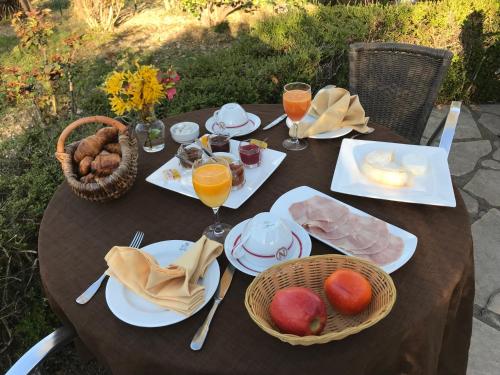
{"points": [[324, 209], [391, 253], [363, 236], [299, 212]]}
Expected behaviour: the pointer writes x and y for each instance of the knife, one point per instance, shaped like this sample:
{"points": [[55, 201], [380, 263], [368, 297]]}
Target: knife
{"points": [[275, 122], [201, 334]]}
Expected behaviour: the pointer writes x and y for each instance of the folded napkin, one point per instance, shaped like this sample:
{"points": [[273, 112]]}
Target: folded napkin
{"points": [[175, 286], [334, 108]]}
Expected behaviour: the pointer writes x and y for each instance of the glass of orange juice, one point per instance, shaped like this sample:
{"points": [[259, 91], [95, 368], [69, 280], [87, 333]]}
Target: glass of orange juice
{"points": [[212, 180], [296, 101]]}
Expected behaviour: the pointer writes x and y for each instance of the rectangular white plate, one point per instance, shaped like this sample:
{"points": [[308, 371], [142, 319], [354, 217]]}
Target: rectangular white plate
{"points": [[434, 187], [254, 177], [280, 208]]}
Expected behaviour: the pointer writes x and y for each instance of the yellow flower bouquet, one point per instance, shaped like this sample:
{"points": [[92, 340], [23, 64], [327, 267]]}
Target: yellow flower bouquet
{"points": [[138, 92]]}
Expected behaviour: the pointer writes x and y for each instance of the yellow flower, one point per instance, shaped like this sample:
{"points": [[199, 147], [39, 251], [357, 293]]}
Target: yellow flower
{"points": [[134, 91], [114, 83], [118, 105]]}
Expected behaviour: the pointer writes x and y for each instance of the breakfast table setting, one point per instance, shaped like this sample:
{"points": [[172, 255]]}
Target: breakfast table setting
{"points": [[334, 244]]}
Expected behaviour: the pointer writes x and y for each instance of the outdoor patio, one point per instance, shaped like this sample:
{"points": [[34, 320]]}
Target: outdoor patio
{"points": [[475, 167]]}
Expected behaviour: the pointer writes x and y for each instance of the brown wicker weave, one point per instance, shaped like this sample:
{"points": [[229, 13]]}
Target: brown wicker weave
{"points": [[105, 188], [397, 83], [311, 272]]}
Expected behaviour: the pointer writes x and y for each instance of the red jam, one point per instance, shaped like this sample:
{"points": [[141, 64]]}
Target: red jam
{"points": [[250, 154]]}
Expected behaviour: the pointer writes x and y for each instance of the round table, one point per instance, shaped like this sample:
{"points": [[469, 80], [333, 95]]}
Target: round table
{"points": [[428, 330]]}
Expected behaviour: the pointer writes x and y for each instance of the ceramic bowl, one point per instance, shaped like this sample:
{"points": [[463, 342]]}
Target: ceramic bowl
{"points": [[185, 132]]}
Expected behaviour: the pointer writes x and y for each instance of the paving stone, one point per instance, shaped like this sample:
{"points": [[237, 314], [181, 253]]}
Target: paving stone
{"points": [[491, 164], [466, 126], [486, 237], [437, 114], [491, 108], [491, 122], [484, 352], [494, 305], [470, 203], [464, 155], [496, 154], [486, 184]]}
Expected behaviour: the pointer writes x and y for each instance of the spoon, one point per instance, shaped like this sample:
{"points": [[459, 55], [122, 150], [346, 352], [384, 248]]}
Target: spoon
{"points": [[198, 142]]}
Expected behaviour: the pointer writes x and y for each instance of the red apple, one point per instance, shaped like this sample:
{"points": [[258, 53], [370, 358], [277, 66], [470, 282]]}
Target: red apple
{"points": [[298, 311]]}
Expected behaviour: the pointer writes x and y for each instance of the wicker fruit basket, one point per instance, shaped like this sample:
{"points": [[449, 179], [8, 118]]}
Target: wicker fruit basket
{"points": [[311, 272], [104, 188]]}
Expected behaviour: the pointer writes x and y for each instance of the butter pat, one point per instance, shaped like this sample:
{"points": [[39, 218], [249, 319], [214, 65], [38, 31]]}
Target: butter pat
{"points": [[414, 163]]}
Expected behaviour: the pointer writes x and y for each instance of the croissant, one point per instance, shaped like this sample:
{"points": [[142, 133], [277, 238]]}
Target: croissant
{"points": [[104, 165], [93, 145], [107, 135], [114, 148], [90, 146], [84, 166]]}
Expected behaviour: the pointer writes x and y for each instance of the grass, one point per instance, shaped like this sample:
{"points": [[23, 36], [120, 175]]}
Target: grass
{"points": [[247, 60]]}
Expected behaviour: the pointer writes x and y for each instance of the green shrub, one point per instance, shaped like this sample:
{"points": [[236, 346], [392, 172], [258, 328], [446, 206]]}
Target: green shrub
{"points": [[329, 31]]}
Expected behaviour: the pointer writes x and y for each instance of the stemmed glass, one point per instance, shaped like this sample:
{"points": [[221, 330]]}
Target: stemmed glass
{"points": [[296, 101], [212, 182]]}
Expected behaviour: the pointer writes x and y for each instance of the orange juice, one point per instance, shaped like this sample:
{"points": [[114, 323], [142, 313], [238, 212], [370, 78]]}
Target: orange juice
{"points": [[296, 103], [212, 183]]}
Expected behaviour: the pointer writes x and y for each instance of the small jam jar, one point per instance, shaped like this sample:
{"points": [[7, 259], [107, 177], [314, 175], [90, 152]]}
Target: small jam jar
{"points": [[238, 173], [250, 154], [219, 143], [190, 153]]}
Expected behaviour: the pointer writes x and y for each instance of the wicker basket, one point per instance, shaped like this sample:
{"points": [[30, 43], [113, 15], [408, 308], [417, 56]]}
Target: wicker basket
{"points": [[311, 272], [105, 188]]}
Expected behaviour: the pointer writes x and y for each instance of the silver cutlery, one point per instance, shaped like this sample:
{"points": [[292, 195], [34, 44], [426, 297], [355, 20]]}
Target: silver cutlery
{"points": [[198, 142], [201, 334], [275, 122], [92, 289]]}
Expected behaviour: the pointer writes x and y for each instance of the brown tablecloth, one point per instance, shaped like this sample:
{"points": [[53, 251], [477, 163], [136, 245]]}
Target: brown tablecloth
{"points": [[427, 332]]}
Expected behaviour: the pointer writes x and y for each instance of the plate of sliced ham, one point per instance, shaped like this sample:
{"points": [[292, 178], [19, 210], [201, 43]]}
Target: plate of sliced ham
{"points": [[347, 229]]}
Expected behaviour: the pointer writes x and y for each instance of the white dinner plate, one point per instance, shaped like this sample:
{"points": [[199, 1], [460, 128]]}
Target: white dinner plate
{"points": [[434, 187], [251, 126], [302, 246], [326, 135], [135, 310], [280, 208], [254, 177]]}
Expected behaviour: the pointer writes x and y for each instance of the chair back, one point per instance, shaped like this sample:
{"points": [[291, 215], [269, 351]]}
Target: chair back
{"points": [[397, 84]]}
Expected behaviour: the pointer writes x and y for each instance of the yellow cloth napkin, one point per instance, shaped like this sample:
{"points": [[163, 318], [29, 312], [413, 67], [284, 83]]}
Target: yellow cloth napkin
{"points": [[334, 108], [175, 286]]}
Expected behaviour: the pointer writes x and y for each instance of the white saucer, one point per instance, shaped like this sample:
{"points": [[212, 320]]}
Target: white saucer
{"points": [[135, 310], [252, 125], [337, 133], [301, 247]]}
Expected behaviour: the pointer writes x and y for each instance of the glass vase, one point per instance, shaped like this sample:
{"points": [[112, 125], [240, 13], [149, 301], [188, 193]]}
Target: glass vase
{"points": [[151, 135]]}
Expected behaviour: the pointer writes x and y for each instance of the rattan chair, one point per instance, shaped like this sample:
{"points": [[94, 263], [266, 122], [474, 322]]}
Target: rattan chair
{"points": [[397, 83]]}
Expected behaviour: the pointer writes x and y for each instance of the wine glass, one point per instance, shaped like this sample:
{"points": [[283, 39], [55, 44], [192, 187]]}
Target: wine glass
{"points": [[296, 101], [212, 181]]}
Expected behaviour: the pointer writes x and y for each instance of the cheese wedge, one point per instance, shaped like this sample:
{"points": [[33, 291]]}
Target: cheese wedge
{"points": [[379, 157], [386, 173]]}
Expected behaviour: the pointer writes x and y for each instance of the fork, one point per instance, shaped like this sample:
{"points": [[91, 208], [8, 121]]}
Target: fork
{"points": [[94, 287]]}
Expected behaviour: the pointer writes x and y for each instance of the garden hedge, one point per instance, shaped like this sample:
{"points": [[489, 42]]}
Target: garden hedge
{"points": [[312, 45]]}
